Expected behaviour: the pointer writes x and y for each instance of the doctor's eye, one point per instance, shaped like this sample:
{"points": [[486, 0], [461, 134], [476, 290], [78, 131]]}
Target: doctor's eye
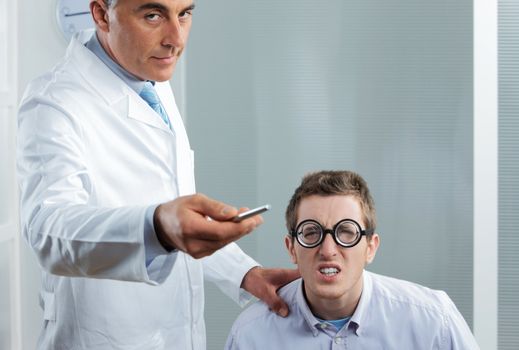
{"points": [[153, 17], [186, 14]]}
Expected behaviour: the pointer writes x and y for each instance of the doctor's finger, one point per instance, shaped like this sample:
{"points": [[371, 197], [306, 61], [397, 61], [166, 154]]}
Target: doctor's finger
{"points": [[215, 209], [227, 231]]}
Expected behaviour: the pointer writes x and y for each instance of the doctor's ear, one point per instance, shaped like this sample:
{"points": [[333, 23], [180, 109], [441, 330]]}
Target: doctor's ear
{"points": [[99, 11]]}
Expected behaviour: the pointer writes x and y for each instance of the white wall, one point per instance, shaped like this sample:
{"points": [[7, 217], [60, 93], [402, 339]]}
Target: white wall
{"points": [[485, 174], [40, 45], [9, 253]]}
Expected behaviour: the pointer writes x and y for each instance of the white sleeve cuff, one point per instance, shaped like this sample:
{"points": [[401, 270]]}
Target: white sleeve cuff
{"points": [[226, 268], [159, 262]]}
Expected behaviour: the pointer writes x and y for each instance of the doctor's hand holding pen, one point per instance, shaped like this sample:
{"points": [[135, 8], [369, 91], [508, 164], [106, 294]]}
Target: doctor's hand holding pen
{"points": [[183, 224]]}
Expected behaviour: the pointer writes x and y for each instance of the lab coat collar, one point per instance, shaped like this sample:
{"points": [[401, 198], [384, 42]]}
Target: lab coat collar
{"points": [[117, 94]]}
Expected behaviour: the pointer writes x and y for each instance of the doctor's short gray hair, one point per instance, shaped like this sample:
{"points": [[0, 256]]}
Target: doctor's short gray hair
{"points": [[109, 3]]}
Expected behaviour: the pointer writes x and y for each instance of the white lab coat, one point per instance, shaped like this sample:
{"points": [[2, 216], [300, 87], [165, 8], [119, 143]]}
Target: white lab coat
{"points": [[92, 156]]}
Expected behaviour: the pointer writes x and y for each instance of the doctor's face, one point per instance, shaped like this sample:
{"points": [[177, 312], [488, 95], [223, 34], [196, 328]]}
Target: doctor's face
{"points": [[146, 37], [331, 272]]}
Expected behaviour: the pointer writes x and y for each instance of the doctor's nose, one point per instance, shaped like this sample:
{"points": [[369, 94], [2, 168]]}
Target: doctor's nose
{"points": [[175, 35]]}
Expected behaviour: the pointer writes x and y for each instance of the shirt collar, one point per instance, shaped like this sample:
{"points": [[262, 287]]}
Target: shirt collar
{"points": [[362, 307], [312, 322], [357, 317], [131, 80]]}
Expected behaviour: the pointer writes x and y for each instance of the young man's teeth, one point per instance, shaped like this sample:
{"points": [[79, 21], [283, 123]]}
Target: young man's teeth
{"points": [[329, 271]]}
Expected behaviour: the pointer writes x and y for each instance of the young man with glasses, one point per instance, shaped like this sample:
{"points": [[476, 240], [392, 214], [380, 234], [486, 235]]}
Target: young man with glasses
{"points": [[337, 304]]}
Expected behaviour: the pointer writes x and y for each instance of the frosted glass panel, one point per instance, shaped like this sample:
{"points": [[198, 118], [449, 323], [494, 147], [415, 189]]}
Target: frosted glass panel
{"points": [[4, 168], [380, 87], [383, 88], [3, 45], [5, 295]]}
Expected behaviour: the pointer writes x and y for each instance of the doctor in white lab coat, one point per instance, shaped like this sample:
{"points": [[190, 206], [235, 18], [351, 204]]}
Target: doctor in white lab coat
{"points": [[99, 170]]}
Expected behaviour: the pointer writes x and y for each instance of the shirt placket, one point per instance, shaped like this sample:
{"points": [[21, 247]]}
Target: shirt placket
{"points": [[340, 338]]}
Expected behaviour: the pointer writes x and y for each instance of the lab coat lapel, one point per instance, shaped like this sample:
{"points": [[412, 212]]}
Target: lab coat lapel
{"points": [[139, 110], [185, 156], [128, 104]]}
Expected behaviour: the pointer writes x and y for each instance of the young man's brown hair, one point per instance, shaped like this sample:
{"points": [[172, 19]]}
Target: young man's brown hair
{"points": [[328, 183]]}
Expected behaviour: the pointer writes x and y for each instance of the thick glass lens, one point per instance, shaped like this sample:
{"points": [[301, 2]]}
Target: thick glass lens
{"points": [[347, 232], [309, 233]]}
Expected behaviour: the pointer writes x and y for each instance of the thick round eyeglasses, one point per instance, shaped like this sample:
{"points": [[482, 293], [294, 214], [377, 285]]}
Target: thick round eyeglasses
{"points": [[346, 233]]}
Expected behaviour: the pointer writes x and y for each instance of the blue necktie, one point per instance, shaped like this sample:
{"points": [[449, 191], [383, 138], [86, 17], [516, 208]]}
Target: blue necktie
{"points": [[149, 95]]}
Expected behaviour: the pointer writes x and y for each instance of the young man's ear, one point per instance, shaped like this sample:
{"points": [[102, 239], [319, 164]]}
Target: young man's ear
{"points": [[289, 243], [372, 247], [99, 13]]}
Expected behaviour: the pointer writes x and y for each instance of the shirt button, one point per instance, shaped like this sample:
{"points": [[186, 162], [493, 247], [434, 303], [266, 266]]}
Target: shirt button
{"points": [[338, 340], [324, 325]]}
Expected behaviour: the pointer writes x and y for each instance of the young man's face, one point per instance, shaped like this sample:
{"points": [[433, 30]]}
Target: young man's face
{"points": [[146, 37], [348, 263]]}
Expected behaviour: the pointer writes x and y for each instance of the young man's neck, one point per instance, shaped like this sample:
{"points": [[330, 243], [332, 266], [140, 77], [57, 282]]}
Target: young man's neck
{"points": [[337, 308]]}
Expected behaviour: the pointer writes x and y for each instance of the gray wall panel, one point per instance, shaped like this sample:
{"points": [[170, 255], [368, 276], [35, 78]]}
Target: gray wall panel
{"points": [[508, 80], [276, 89]]}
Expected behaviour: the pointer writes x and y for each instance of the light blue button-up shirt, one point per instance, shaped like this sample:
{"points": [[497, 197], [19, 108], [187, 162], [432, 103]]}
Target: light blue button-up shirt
{"points": [[391, 314]]}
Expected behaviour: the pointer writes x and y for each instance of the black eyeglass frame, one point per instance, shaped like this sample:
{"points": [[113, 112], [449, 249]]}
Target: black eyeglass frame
{"points": [[333, 232]]}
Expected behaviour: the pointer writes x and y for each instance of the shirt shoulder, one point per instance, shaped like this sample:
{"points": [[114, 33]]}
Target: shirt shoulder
{"points": [[259, 312], [422, 317], [252, 328], [409, 294], [257, 323]]}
